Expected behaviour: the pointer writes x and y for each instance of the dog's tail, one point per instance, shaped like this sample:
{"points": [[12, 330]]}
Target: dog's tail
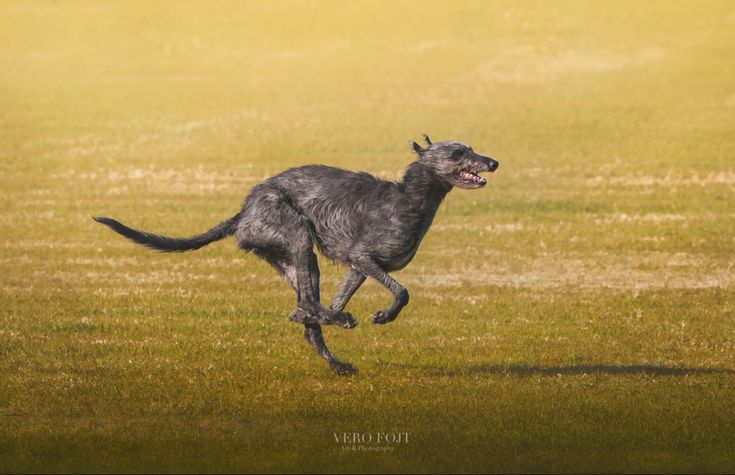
{"points": [[168, 244]]}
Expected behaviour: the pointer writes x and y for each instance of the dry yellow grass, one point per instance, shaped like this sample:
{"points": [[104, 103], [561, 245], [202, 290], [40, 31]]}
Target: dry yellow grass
{"points": [[576, 315]]}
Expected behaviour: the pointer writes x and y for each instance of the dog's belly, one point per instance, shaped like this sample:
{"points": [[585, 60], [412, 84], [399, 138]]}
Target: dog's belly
{"points": [[398, 262]]}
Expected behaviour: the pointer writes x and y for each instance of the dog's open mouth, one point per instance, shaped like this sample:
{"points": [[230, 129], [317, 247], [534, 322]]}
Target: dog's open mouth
{"points": [[471, 178]]}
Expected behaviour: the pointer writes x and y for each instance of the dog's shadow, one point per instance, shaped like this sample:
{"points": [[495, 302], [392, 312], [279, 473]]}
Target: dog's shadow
{"points": [[556, 370]]}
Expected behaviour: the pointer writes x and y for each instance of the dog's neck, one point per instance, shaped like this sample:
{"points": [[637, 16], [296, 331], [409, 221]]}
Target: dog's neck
{"points": [[423, 188]]}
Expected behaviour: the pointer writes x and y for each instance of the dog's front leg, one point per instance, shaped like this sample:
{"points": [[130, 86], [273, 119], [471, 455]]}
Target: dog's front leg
{"points": [[351, 282], [369, 267]]}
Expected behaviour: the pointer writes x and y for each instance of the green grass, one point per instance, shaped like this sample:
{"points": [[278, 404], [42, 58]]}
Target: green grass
{"points": [[575, 315]]}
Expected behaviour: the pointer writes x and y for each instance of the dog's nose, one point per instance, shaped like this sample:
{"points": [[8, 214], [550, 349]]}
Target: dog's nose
{"points": [[494, 165]]}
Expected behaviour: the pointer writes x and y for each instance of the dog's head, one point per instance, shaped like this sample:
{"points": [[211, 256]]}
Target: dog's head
{"points": [[455, 163]]}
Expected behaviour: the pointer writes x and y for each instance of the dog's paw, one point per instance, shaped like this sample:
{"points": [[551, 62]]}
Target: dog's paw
{"points": [[298, 316], [344, 320], [330, 317], [343, 369], [302, 316], [382, 317]]}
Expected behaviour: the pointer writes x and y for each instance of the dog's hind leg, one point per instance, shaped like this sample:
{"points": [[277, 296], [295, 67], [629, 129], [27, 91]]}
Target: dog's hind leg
{"points": [[313, 334], [369, 267], [313, 331], [274, 231], [278, 233], [305, 283], [310, 309]]}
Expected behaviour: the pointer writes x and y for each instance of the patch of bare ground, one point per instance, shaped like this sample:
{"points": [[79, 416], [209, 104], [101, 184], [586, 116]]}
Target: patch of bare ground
{"points": [[656, 270], [669, 179], [639, 218], [529, 64], [120, 278], [173, 133], [42, 244], [30, 244], [185, 180], [492, 228], [123, 276], [117, 262]]}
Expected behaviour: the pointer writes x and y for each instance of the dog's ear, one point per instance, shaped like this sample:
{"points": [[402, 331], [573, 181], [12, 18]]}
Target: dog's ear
{"points": [[427, 139], [417, 148]]}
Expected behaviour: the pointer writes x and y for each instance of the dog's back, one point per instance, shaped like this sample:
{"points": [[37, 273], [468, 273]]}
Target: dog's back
{"points": [[338, 204]]}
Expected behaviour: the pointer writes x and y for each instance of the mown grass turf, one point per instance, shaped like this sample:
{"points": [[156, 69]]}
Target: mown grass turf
{"points": [[575, 315]]}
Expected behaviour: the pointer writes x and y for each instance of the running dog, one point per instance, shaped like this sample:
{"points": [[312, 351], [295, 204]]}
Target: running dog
{"points": [[371, 226]]}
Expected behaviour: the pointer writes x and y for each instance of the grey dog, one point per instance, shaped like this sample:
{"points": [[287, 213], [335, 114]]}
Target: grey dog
{"points": [[370, 225]]}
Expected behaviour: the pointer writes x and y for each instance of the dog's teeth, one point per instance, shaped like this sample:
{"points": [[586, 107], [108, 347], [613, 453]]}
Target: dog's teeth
{"points": [[472, 177]]}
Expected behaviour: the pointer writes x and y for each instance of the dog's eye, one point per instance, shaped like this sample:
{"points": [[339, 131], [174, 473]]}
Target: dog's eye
{"points": [[457, 154]]}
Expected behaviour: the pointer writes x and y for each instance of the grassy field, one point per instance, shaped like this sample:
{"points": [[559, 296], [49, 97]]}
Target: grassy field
{"points": [[576, 314]]}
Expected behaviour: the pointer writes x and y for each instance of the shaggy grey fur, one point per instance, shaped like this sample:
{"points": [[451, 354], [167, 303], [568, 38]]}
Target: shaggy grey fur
{"points": [[370, 225]]}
